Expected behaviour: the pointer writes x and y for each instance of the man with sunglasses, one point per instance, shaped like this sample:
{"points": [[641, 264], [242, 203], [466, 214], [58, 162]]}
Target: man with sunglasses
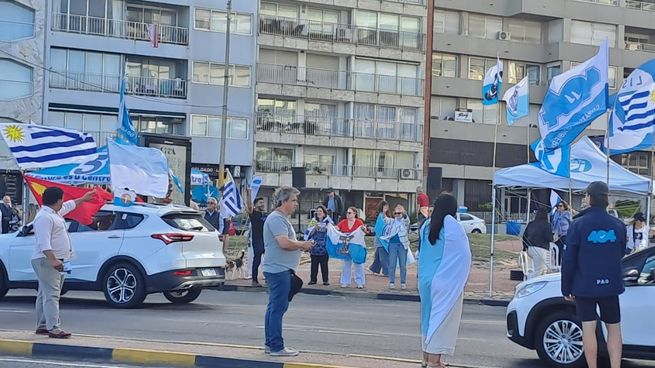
{"points": [[592, 274]]}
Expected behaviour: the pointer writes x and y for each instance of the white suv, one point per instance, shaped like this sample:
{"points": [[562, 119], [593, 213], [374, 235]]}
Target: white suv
{"points": [[539, 318], [128, 252]]}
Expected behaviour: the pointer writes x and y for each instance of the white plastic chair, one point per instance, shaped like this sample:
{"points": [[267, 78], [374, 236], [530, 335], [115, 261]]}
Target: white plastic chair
{"points": [[526, 264], [553, 259]]}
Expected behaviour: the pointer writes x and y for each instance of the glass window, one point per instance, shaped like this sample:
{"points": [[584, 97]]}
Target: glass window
{"points": [[241, 76], [202, 19], [15, 80], [534, 74], [483, 114], [211, 73], [388, 22], [287, 11], [237, 128], [484, 26], [476, 68], [216, 21], [444, 65], [367, 19], [553, 70], [592, 33], [199, 125], [365, 75], [16, 21], [446, 21]]}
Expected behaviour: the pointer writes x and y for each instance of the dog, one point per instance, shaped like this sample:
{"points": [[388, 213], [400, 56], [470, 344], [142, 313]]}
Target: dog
{"points": [[236, 265]]}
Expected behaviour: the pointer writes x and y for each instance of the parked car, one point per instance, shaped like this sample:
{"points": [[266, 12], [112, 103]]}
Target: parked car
{"points": [[128, 252], [472, 224], [539, 318]]}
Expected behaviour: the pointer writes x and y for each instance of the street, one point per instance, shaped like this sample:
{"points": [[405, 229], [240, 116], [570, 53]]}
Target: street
{"points": [[313, 324], [17, 362]]}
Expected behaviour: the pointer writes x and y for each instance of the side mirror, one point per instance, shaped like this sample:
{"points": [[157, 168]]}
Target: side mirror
{"points": [[652, 275], [631, 275]]}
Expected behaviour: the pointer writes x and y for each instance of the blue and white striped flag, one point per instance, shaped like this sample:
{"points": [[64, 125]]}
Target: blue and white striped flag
{"points": [[633, 117], [231, 201], [125, 131], [37, 146]]}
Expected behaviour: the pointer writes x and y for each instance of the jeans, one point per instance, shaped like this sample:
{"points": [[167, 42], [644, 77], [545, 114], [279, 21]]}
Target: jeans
{"points": [[47, 299], [279, 285], [346, 273], [538, 256], [323, 262], [381, 261], [397, 255], [258, 252], [560, 244]]}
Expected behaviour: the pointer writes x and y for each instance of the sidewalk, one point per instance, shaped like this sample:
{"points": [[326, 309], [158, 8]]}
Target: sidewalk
{"points": [[181, 353]]}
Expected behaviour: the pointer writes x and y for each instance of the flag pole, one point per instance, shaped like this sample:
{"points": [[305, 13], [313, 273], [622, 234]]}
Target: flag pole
{"points": [[607, 149], [493, 206], [226, 87]]}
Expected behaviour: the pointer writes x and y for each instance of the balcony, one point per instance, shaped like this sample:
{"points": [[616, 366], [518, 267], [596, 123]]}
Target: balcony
{"points": [[354, 81], [341, 33], [639, 46], [142, 86], [386, 130], [276, 167], [117, 28], [640, 5]]}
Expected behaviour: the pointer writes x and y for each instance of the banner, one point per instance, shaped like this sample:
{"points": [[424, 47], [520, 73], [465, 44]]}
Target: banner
{"points": [[492, 83], [518, 101]]}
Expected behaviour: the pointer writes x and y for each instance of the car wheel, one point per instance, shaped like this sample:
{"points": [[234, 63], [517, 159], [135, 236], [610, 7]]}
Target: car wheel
{"points": [[124, 286], [476, 231], [182, 296], [559, 341]]}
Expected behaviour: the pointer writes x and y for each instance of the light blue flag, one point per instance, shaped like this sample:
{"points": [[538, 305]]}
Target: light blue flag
{"points": [[380, 226], [633, 117], [254, 187], [492, 83], [125, 131], [554, 161], [142, 170], [573, 100], [518, 101], [346, 246], [554, 200]]}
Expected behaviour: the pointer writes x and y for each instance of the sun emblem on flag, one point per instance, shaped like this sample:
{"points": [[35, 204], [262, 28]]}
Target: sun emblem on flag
{"points": [[14, 133], [652, 96]]}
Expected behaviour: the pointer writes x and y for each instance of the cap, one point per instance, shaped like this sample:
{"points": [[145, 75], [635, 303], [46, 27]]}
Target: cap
{"points": [[598, 188], [639, 217]]}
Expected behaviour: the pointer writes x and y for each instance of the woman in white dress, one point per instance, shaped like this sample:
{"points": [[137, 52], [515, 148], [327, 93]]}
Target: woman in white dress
{"points": [[443, 268]]}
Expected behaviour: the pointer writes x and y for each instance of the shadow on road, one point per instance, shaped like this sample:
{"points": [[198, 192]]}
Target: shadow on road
{"points": [[85, 303]]}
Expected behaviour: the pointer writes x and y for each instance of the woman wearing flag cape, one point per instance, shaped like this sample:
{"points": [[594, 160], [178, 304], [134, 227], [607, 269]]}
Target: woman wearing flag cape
{"points": [[381, 260], [443, 269]]}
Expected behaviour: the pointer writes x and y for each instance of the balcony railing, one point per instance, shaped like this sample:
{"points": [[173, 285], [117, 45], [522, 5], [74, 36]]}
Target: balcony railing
{"points": [[355, 81], [639, 46], [342, 33], [603, 2], [340, 170], [170, 88], [640, 5], [117, 28], [337, 127]]}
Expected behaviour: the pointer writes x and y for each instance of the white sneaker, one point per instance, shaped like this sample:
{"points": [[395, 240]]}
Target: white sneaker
{"points": [[345, 286], [403, 286], [392, 286], [284, 352], [267, 350], [360, 286]]}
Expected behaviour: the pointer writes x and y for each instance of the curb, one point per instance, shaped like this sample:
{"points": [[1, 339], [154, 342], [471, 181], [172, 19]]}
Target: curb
{"points": [[363, 295], [139, 356]]}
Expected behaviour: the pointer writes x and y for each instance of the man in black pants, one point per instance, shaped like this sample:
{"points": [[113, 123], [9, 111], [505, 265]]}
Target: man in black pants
{"points": [[257, 218], [592, 275]]}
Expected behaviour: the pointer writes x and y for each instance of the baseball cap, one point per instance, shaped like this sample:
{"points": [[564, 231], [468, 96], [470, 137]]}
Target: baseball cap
{"points": [[598, 188]]}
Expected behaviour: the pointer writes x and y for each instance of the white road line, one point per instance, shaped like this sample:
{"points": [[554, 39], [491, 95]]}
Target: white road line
{"points": [[14, 311], [49, 362]]}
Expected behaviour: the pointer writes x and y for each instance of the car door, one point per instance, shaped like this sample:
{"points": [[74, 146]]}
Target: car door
{"points": [[93, 244], [636, 301]]}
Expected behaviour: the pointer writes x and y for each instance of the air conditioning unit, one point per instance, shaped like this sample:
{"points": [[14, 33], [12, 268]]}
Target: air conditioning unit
{"points": [[407, 174], [633, 46], [505, 36]]}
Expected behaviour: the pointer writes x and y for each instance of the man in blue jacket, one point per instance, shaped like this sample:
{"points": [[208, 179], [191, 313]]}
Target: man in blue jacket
{"points": [[592, 274]]}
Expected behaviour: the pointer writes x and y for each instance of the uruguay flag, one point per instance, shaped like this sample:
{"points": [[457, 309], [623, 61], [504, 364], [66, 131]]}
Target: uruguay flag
{"points": [[346, 246], [518, 102], [633, 117], [573, 100], [491, 84], [231, 201], [555, 161]]}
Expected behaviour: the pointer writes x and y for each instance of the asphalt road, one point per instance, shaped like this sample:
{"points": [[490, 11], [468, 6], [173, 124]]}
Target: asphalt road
{"points": [[16, 362], [313, 323]]}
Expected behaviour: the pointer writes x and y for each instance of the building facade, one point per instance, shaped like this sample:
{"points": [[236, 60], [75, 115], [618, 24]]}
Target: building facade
{"points": [[532, 38], [340, 94], [174, 86]]}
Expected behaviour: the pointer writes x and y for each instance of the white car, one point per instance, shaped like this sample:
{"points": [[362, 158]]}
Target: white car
{"points": [[539, 318], [128, 252], [472, 224]]}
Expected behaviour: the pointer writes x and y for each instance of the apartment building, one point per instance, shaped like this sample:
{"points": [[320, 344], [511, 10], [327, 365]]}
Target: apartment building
{"points": [[533, 38], [174, 86], [340, 93]]}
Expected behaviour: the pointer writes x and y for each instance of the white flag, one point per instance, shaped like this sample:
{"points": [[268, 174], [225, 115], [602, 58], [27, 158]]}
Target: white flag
{"points": [[142, 170]]}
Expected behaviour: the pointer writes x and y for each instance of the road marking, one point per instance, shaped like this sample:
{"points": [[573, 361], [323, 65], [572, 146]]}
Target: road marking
{"points": [[49, 362], [14, 311]]}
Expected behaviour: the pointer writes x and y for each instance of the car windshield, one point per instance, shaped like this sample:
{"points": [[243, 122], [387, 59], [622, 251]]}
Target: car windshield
{"points": [[188, 222]]}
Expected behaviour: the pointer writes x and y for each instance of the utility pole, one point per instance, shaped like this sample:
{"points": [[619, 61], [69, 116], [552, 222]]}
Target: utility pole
{"points": [[226, 87]]}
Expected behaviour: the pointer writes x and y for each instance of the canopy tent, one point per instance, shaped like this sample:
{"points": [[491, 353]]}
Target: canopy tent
{"points": [[588, 164]]}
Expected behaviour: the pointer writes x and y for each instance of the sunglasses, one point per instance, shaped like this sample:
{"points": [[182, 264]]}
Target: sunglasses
{"points": [[350, 213], [397, 213]]}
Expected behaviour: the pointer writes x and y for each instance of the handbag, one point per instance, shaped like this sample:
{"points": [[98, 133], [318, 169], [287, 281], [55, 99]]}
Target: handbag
{"points": [[296, 284]]}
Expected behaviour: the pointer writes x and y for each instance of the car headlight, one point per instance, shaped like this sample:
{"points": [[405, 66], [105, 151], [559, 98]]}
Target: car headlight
{"points": [[530, 289]]}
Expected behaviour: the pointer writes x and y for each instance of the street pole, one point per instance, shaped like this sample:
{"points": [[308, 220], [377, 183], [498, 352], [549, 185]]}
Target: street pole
{"points": [[226, 87]]}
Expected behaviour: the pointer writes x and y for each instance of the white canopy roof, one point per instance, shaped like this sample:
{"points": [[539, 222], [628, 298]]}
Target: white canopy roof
{"points": [[588, 164]]}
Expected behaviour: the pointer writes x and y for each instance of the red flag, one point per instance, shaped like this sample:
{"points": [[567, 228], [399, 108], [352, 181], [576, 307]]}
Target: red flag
{"points": [[84, 212]]}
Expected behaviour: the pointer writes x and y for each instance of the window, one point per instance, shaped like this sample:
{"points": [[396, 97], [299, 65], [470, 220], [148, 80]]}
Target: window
{"points": [[483, 114], [477, 192], [446, 21], [465, 217], [159, 124], [87, 70], [212, 73], [647, 274], [517, 70], [126, 221], [274, 159], [216, 21], [319, 164], [270, 112], [611, 74], [444, 65], [16, 21], [484, 26], [102, 221], [592, 33], [210, 126], [479, 66], [553, 70], [188, 222], [443, 108], [15, 80], [637, 162], [286, 11], [524, 31], [386, 77]]}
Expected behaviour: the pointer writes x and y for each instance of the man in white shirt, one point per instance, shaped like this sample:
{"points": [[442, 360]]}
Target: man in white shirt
{"points": [[52, 251]]}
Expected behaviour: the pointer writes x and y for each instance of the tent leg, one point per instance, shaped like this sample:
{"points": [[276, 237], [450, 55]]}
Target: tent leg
{"points": [[491, 246], [648, 201], [527, 208]]}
